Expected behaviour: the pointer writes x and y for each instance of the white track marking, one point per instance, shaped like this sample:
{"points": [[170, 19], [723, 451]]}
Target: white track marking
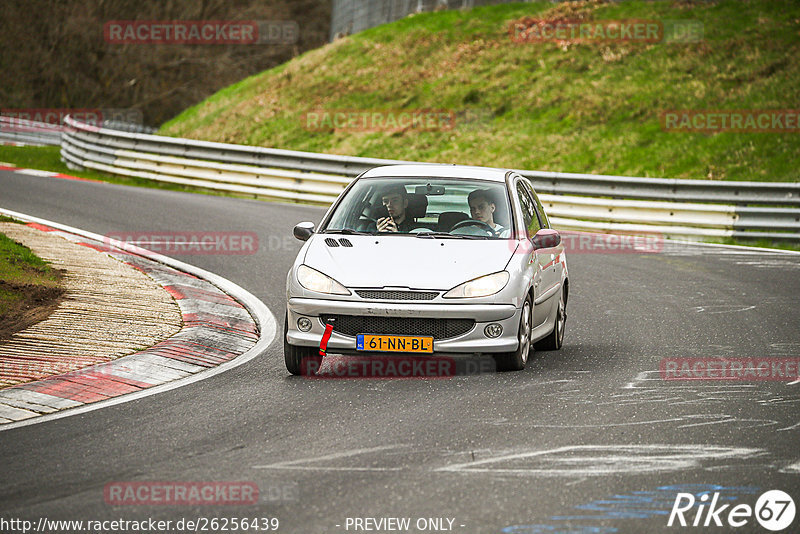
{"points": [[296, 464], [743, 248], [739, 422], [793, 469], [598, 460], [726, 308], [34, 172], [601, 425]]}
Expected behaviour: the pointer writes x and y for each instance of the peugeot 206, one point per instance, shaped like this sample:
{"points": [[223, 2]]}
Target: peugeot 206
{"points": [[429, 259]]}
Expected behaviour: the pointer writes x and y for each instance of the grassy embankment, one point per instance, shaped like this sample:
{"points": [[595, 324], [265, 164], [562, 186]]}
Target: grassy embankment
{"points": [[590, 107], [585, 107]]}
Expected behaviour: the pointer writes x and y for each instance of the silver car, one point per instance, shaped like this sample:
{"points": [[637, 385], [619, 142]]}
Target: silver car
{"points": [[428, 259]]}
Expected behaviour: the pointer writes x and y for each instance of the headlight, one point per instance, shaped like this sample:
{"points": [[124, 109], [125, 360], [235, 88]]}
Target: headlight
{"points": [[480, 287], [316, 281]]}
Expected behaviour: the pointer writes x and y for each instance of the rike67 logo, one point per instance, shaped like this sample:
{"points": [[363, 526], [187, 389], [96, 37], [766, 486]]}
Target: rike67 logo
{"points": [[774, 510]]}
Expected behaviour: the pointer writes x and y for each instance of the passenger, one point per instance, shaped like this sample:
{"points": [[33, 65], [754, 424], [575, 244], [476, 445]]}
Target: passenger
{"points": [[482, 207], [395, 198]]}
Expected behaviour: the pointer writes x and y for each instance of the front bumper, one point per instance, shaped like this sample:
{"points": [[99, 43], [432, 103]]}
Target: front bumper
{"points": [[472, 341]]}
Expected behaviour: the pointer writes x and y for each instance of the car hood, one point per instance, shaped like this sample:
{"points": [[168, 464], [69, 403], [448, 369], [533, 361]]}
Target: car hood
{"points": [[406, 261]]}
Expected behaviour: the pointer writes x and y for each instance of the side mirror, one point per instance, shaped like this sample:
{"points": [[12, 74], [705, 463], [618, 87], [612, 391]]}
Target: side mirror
{"points": [[303, 230], [546, 238]]}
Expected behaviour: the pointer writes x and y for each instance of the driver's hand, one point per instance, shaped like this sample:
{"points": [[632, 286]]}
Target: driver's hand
{"points": [[386, 224]]}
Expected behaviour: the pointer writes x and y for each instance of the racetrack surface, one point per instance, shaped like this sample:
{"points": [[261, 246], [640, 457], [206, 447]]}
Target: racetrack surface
{"points": [[568, 445]]}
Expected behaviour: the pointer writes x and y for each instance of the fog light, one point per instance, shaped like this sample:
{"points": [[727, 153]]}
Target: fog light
{"points": [[304, 324], [493, 330]]}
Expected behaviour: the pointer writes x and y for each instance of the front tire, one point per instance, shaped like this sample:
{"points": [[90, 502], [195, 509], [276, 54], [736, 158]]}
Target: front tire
{"points": [[555, 340], [515, 361], [299, 360]]}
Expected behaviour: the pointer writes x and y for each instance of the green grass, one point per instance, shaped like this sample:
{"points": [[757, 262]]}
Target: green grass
{"points": [[22, 274], [18, 259], [578, 108]]}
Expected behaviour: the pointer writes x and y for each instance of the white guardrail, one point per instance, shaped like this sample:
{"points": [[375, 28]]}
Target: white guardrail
{"points": [[693, 209], [17, 131]]}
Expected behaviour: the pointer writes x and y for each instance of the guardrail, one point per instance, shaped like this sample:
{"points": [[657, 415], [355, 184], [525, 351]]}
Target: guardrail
{"points": [[25, 132], [674, 208]]}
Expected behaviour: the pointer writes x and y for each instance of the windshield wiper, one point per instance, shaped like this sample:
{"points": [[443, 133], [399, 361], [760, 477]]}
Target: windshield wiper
{"points": [[347, 231], [434, 235]]}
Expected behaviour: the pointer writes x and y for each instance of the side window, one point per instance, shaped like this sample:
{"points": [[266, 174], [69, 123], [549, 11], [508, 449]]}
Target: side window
{"points": [[528, 210]]}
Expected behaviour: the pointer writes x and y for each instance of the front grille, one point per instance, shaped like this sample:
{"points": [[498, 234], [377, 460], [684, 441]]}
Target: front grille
{"points": [[350, 325], [396, 295]]}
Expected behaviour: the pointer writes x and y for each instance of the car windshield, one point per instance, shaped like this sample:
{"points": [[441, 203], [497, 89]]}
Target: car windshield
{"points": [[434, 208]]}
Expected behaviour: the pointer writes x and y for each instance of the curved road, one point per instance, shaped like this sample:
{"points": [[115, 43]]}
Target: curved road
{"points": [[588, 439]]}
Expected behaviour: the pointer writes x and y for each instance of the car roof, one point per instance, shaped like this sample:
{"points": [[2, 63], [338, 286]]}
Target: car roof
{"points": [[438, 170]]}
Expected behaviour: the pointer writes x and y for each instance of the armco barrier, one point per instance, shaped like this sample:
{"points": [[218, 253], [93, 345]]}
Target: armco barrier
{"points": [[26, 132], [677, 208]]}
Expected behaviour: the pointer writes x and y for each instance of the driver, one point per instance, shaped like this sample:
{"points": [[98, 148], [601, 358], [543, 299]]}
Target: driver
{"points": [[482, 208], [395, 198]]}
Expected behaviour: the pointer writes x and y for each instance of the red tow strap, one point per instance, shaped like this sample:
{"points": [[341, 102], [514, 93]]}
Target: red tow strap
{"points": [[323, 345]]}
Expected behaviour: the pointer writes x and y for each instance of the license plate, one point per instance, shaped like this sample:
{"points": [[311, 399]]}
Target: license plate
{"points": [[394, 343]]}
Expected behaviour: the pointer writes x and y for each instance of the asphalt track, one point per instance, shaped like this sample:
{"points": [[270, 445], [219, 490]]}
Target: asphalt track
{"points": [[588, 439]]}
